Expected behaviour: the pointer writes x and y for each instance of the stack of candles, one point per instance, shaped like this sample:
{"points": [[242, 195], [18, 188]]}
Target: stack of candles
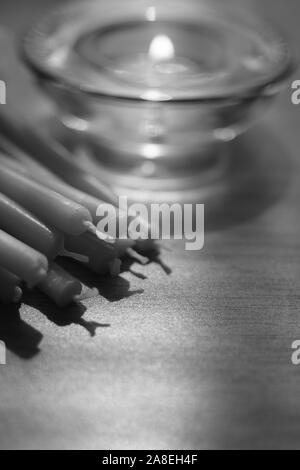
{"points": [[42, 217]]}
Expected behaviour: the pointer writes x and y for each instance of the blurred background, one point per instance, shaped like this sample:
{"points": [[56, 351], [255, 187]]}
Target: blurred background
{"points": [[18, 14]]}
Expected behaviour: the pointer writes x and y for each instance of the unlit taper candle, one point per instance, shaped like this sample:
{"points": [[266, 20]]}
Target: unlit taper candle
{"points": [[10, 291], [54, 156], [102, 257], [22, 260], [24, 164], [24, 226], [60, 286], [50, 206]]}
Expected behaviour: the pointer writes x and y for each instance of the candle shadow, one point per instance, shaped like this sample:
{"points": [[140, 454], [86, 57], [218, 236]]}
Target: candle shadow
{"points": [[259, 173], [127, 263], [63, 317], [136, 274], [155, 256], [112, 289], [19, 337]]}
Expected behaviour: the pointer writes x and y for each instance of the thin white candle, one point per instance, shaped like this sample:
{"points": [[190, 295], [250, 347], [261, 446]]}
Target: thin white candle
{"points": [[24, 226], [10, 291], [52, 207], [24, 164], [27, 166], [102, 257], [55, 157], [60, 286], [22, 260]]}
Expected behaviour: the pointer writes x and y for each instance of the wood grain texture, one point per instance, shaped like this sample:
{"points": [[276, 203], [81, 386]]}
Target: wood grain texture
{"points": [[200, 358]]}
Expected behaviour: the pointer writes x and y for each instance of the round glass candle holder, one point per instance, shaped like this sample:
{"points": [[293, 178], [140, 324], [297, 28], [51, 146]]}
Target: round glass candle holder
{"points": [[151, 89]]}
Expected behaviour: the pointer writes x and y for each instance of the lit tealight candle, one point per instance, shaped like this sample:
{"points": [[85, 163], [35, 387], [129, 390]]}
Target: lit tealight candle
{"points": [[158, 67], [148, 88]]}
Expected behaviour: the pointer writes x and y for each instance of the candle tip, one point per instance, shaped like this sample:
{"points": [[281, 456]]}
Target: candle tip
{"points": [[17, 296], [115, 267], [90, 227], [101, 236]]}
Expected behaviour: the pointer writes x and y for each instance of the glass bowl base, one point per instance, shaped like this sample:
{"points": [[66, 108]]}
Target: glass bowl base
{"points": [[189, 179]]}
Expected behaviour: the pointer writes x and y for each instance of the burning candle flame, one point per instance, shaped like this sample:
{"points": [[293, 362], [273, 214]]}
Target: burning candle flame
{"points": [[161, 49], [151, 14]]}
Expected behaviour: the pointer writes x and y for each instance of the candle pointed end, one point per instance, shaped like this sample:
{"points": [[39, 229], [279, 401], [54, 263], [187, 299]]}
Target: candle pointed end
{"points": [[115, 267], [17, 296], [90, 227], [137, 257], [40, 276]]}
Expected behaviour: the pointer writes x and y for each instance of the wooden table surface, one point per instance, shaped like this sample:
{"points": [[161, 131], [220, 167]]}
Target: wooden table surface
{"points": [[197, 359]]}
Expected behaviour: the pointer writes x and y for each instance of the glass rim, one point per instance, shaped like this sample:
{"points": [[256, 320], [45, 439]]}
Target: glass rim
{"points": [[264, 85]]}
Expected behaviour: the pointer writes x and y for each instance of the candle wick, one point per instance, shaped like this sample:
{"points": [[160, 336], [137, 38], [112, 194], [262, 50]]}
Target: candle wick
{"points": [[90, 227]]}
